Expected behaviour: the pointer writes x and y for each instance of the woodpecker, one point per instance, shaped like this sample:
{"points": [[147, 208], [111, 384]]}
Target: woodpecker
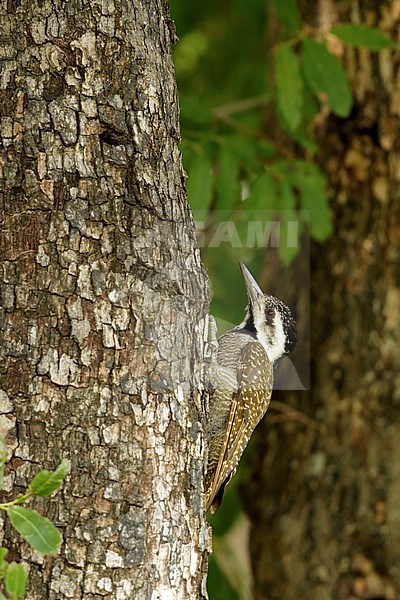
{"points": [[242, 381]]}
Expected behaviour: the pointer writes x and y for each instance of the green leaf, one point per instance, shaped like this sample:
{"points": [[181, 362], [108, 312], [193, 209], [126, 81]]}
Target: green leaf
{"points": [[287, 198], [265, 148], [38, 531], [305, 142], [262, 194], [188, 53], [288, 14], [244, 148], [363, 36], [228, 188], [289, 84], [15, 580], [289, 236], [311, 184], [288, 217], [325, 75], [199, 183], [46, 482], [195, 112], [219, 585], [3, 553]]}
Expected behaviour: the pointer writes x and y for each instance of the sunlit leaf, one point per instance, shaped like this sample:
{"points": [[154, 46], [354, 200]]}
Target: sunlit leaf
{"points": [[15, 580], [289, 84], [38, 531], [46, 482], [364, 36], [326, 77]]}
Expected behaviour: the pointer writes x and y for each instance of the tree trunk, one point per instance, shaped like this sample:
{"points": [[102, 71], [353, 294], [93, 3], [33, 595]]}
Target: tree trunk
{"points": [[326, 520], [103, 299]]}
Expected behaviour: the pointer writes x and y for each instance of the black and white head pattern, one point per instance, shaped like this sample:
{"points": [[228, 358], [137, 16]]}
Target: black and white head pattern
{"points": [[273, 324]]}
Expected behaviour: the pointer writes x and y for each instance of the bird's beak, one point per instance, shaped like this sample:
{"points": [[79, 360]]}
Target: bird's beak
{"points": [[254, 291]]}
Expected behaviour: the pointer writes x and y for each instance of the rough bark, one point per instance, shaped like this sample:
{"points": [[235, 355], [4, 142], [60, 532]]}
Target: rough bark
{"points": [[326, 520], [103, 299]]}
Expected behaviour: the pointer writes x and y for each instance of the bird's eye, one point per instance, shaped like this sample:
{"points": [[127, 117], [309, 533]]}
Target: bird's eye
{"points": [[270, 312]]}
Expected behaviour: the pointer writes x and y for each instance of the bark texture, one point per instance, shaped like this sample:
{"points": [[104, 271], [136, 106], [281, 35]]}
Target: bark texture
{"points": [[326, 519], [103, 299]]}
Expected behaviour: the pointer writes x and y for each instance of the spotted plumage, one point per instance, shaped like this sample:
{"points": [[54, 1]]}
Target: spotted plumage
{"points": [[242, 382]]}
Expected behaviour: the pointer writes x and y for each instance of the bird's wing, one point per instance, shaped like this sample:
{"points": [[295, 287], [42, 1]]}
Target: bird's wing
{"points": [[249, 404]]}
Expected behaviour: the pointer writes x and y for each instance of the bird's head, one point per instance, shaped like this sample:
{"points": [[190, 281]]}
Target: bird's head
{"points": [[269, 319]]}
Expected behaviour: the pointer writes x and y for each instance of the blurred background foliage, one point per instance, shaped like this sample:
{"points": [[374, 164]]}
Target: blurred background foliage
{"points": [[253, 82]]}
